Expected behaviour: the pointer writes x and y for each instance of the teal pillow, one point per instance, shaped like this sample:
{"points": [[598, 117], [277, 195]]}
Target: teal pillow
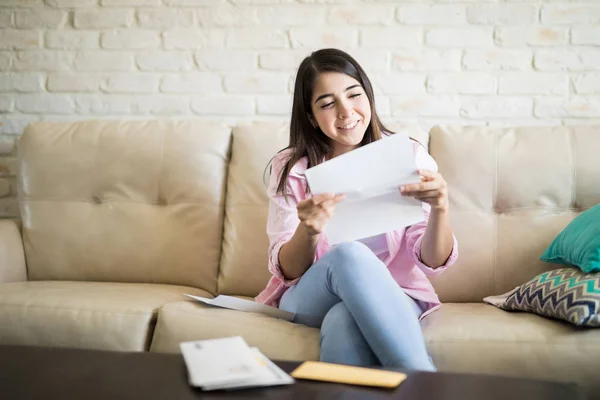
{"points": [[579, 243]]}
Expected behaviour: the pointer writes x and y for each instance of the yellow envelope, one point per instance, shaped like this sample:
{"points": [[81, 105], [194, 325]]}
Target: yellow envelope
{"points": [[320, 371]]}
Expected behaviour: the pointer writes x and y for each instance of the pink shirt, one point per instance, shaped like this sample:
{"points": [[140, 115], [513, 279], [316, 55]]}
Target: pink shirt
{"points": [[404, 245]]}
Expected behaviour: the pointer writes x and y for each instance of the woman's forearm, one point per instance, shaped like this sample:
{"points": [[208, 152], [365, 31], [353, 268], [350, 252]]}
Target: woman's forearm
{"points": [[438, 240], [297, 255]]}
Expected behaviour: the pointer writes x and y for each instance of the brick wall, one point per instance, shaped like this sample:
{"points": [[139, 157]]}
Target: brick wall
{"points": [[491, 62]]}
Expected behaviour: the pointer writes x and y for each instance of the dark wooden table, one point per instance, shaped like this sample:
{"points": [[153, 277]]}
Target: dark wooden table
{"points": [[47, 373]]}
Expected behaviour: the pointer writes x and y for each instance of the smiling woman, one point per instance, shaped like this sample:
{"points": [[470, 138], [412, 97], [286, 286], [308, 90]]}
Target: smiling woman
{"points": [[366, 296]]}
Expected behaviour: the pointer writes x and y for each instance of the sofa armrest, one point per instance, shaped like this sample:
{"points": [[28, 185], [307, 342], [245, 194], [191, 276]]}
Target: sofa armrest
{"points": [[12, 257]]}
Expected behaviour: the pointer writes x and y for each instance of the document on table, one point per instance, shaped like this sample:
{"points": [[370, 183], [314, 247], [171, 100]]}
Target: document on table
{"points": [[370, 177], [235, 303], [229, 363]]}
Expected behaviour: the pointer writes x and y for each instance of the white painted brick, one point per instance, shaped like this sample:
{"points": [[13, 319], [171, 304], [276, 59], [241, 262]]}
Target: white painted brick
{"points": [[496, 107], [502, 14], [71, 3], [398, 84], [42, 61], [227, 16], [5, 60], [225, 60], [21, 82], [578, 107], [130, 39], [291, 15], [22, 3], [102, 19], [45, 103], [40, 19], [382, 106], [6, 18], [182, 38], [15, 124], [372, 60], [193, 2], [160, 105], [130, 83], [497, 59], [427, 60], [460, 37], [275, 105], [570, 14], [8, 166], [6, 104], [431, 14], [165, 18], [585, 35], [282, 60], [363, 14], [191, 82], [4, 187], [103, 104], [391, 37], [461, 83], [256, 38], [533, 83], [165, 61], [531, 36], [425, 106], [72, 39], [587, 83], [19, 39], [130, 3], [7, 145], [73, 82], [573, 59], [325, 37], [104, 61], [258, 2], [222, 105], [256, 83]]}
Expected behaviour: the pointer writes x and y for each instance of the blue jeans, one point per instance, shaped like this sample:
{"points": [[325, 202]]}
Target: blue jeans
{"points": [[366, 319]]}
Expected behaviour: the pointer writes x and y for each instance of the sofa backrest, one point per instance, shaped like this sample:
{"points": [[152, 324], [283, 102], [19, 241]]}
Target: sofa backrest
{"points": [[511, 192], [124, 201]]}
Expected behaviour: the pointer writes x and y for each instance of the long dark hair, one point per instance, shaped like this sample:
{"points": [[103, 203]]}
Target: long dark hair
{"points": [[305, 139]]}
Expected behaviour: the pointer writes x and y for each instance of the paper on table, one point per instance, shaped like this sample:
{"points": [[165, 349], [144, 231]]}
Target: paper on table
{"points": [[370, 176], [245, 305]]}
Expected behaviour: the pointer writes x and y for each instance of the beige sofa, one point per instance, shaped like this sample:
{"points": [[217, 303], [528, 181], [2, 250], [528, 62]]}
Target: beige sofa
{"points": [[120, 219]]}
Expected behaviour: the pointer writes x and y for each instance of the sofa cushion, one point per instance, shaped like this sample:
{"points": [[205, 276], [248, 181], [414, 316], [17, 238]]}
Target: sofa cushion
{"points": [[244, 263], [568, 294], [509, 199], [480, 338], [108, 316], [579, 243], [277, 339], [124, 201]]}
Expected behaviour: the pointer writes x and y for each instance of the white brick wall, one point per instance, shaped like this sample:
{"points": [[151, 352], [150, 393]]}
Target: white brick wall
{"points": [[495, 62]]}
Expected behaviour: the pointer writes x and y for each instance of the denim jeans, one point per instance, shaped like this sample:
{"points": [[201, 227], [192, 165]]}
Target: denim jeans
{"points": [[366, 319]]}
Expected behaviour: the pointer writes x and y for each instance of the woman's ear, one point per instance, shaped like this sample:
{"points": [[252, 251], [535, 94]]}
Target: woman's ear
{"points": [[312, 121]]}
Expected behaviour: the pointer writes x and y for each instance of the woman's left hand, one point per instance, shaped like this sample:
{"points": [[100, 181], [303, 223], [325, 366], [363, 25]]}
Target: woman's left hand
{"points": [[432, 190]]}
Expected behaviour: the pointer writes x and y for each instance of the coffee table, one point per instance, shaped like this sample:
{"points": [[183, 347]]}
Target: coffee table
{"points": [[52, 373]]}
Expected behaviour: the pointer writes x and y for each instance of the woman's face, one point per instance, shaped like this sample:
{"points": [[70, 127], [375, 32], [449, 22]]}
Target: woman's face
{"points": [[341, 109]]}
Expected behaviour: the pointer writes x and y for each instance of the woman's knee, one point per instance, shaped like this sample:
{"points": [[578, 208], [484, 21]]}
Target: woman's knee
{"points": [[351, 254]]}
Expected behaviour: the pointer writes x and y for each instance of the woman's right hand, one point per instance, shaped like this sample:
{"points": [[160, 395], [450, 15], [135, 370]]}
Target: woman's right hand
{"points": [[316, 211]]}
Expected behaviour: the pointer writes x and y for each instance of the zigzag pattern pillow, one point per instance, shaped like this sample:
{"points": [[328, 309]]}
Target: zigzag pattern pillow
{"points": [[568, 294]]}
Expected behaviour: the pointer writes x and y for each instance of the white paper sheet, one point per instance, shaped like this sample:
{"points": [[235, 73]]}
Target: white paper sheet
{"points": [[245, 305], [370, 176]]}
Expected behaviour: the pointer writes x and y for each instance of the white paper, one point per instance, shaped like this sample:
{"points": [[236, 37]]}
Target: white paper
{"points": [[245, 305], [219, 361], [268, 375], [370, 177]]}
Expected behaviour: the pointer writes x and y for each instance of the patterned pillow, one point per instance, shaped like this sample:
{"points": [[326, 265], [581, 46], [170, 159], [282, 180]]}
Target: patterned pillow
{"points": [[568, 294]]}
